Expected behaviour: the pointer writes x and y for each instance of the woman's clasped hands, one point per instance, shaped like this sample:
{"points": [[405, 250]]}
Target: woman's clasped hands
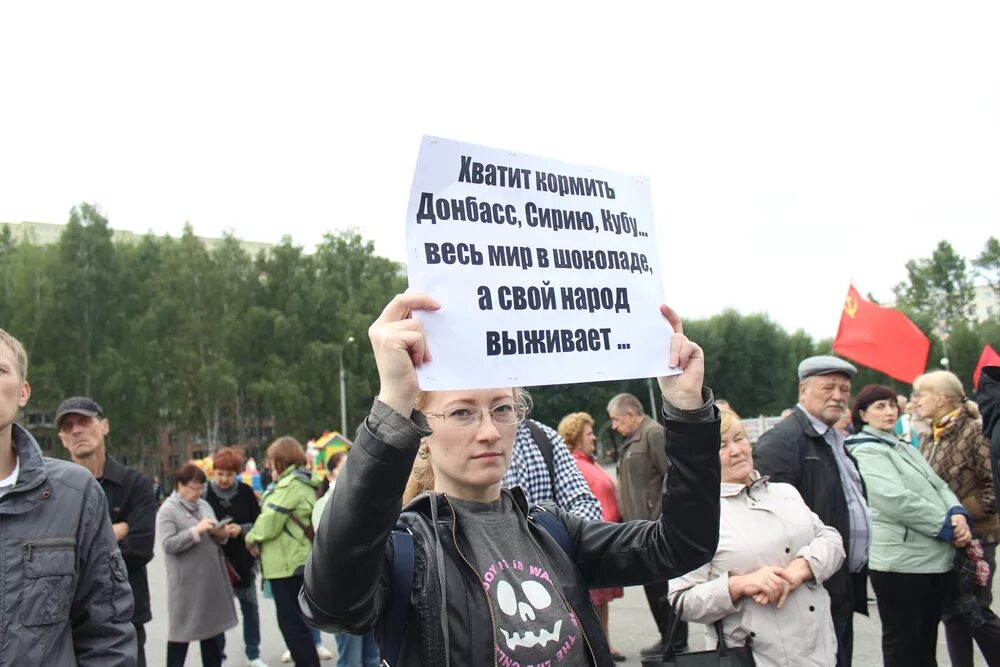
{"points": [[770, 585]]}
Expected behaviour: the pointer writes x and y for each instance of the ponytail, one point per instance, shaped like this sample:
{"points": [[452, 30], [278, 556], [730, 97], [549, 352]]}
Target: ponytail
{"points": [[971, 407], [421, 476]]}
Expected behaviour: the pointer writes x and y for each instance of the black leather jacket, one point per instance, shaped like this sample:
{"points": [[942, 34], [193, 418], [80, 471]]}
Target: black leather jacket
{"points": [[347, 575], [988, 399]]}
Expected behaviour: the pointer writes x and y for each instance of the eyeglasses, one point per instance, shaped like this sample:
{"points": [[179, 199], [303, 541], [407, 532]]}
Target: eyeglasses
{"points": [[506, 414]]}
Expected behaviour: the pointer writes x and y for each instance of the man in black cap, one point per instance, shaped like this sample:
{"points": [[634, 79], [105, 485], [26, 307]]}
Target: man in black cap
{"points": [[131, 500], [804, 450]]}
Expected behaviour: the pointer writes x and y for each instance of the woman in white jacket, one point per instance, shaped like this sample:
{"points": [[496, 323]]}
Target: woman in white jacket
{"points": [[765, 583]]}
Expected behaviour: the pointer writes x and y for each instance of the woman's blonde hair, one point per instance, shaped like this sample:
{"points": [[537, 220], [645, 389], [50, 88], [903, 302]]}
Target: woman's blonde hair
{"points": [[422, 475], [948, 385], [571, 428], [730, 420]]}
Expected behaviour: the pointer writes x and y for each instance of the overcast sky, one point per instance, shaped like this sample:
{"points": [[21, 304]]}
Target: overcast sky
{"points": [[791, 146]]}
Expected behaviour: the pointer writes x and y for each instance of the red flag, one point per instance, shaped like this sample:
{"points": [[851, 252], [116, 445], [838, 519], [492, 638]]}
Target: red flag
{"points": [[881, 338], [989, 357]]}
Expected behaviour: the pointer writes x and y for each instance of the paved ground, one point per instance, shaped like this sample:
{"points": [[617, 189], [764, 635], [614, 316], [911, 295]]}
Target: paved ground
{"points": [[631, 629]]}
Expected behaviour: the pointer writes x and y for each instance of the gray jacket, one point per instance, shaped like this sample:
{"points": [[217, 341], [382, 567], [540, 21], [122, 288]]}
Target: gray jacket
{"points": [[199, 596], [642, 465], [64, 593]]}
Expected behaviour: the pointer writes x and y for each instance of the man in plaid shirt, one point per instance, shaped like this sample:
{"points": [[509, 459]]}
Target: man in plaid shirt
{"points": [[529, 470]]}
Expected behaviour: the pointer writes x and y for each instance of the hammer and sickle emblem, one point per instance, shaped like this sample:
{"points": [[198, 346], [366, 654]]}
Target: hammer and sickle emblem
{"points": [[851, 305]]}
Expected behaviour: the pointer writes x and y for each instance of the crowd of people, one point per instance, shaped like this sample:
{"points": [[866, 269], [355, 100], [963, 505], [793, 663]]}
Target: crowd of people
{"points": [[460, 532]]}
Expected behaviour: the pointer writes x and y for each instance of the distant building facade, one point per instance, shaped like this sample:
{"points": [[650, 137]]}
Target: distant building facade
{"points": [[986, 303], [47, 233]]}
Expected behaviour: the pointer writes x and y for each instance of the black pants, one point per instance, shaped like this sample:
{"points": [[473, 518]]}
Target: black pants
{"points": [[842, 611], [177, 653], [140, 642], [293, 627], [910, 606], [960, 634], [663, 614]]}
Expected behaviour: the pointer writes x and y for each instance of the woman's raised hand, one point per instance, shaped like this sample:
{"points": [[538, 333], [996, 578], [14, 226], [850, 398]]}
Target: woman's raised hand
{"points": [[400, 346], [684, 390]]}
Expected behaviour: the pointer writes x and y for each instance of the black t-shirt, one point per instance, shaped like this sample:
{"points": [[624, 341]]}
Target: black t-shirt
{"points": [[534, 624]]}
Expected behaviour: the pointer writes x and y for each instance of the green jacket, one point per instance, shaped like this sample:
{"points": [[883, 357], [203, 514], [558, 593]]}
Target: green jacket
{"points": [[911, 506], [284, 546]]}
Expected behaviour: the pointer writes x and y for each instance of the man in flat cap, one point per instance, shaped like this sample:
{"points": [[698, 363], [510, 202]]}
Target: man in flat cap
{"points": [[131, 500], [804, 450]]}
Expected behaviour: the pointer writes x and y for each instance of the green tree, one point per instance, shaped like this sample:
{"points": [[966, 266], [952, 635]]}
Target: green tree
{"points": [[7, 248], [748, 360], [191, 298], [940, 285], [85, 309]]}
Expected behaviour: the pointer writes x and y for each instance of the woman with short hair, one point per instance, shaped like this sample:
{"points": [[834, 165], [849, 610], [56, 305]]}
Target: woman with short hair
{"points": [[764, 584], [199, 598], [916, 524], [577, 431], [283, 535], [231, 499]]}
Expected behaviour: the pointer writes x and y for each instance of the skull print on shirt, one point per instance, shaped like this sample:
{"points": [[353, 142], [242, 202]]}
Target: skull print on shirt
{"points": [[534, 625]]}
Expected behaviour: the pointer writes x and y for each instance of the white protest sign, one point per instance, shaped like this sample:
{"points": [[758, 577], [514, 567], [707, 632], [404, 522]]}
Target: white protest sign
{"points": [[547, 272]]}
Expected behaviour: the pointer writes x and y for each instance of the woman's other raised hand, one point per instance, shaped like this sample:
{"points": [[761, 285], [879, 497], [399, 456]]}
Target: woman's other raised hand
{"points": [[400, 346], [684, 390]]}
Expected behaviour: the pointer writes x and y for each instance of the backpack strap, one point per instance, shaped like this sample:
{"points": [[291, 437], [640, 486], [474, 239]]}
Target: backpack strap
{"points": [[400, 587], [554, 526], [544, 443]]}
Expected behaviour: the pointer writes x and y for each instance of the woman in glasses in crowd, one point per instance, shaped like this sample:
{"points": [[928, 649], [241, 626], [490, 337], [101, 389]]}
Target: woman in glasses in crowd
{"points": [[577, 431], [199, 601], [491, 584]]}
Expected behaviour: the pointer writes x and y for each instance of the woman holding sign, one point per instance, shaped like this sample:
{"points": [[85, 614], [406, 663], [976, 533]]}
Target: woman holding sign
{"points": [[471, 574]]}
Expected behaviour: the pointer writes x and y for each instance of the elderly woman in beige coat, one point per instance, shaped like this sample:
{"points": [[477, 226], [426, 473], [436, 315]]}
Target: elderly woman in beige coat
{"points": [[199, 597], [765, 582]]}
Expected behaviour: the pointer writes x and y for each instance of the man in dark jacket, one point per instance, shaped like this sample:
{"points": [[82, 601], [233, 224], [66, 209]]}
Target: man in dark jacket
{"points": [[131, 499], [65, 596], [804, 450], [642, 465], [988, 399]]}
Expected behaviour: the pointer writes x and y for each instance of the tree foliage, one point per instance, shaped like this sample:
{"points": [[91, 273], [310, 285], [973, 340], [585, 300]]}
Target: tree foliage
{"points": [[173, 335], [169, 334], [940, 285]]}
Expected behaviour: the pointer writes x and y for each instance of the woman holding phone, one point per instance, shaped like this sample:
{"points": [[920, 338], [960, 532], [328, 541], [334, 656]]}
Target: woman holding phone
{"points": [[199, 599]]}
